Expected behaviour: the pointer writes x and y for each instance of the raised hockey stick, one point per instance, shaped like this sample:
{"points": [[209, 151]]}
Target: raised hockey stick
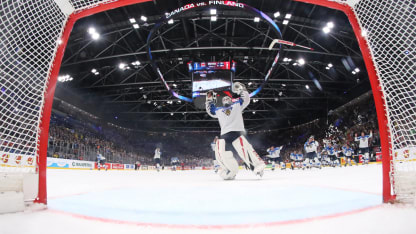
{"points": [[278, 41]]}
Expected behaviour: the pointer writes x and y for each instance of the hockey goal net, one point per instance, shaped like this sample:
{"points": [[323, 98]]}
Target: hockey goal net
{"points": [[34, 34]]}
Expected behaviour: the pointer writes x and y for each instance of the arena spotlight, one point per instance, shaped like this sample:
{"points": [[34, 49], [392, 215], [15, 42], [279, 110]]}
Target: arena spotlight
{"points": [[170, 21], [330, 65], [93, 33], [144, 18], [256, 19], [276, 14], [307, 86], [213, 18], [285, 21], [95, 72], [132, 20], [288, 16], [65, 78], [326, 30], [357, 70], [254, 112], [213, 11], [171, 113], [136, 63], [136, 26], [122, 66], [95, 36], [91, 30], [301, 62], [330, 25]]}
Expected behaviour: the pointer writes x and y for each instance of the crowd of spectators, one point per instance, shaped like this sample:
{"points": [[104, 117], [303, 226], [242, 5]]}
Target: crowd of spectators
{"points": [[77, 135]]}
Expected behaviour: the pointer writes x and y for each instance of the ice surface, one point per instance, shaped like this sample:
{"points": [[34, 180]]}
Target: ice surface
{"points": [[331, 200]]}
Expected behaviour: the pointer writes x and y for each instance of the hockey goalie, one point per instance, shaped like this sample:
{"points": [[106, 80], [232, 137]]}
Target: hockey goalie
{"points": [[230, 118]]}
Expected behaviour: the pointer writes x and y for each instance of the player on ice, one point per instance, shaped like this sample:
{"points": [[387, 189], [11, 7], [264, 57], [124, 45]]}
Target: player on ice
{"points": [[311, 149], [296, 159], [274, 155], [332, 155], [347, 151], [216, 164], [100, 160], [230, 118], [157, 158], [364, 150]]}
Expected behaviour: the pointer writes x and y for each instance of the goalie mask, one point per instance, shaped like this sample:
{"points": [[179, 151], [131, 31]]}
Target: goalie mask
{"points": [[226, 101]]}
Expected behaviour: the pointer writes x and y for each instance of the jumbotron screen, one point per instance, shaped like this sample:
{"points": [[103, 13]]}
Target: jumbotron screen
{"points": [[207, 76]]}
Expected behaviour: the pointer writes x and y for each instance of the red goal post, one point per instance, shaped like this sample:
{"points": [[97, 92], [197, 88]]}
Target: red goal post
{"points": [[29, 18]]}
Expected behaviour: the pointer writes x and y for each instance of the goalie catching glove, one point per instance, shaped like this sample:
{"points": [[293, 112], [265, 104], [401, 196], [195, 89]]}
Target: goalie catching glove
{"points": [[238, 88]]}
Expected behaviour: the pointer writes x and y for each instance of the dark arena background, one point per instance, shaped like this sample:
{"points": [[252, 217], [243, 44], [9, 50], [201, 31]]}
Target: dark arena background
{"points": [[91, 90]]}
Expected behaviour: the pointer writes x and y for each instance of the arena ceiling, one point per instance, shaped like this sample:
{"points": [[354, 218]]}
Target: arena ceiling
{"points": [[134, 97]]}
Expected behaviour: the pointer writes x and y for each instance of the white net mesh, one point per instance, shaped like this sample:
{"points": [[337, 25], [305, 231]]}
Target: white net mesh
{"points": [[28, 42], [391, 31], [28, 39]]}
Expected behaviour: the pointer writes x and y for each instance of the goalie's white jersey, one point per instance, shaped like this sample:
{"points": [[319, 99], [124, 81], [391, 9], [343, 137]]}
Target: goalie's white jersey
{"points": [[231, 117]]}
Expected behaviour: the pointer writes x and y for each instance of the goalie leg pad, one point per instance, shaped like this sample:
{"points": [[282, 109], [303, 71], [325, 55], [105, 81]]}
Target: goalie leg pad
{"points": [[226, 160], [248, 155], [230, 166]]}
